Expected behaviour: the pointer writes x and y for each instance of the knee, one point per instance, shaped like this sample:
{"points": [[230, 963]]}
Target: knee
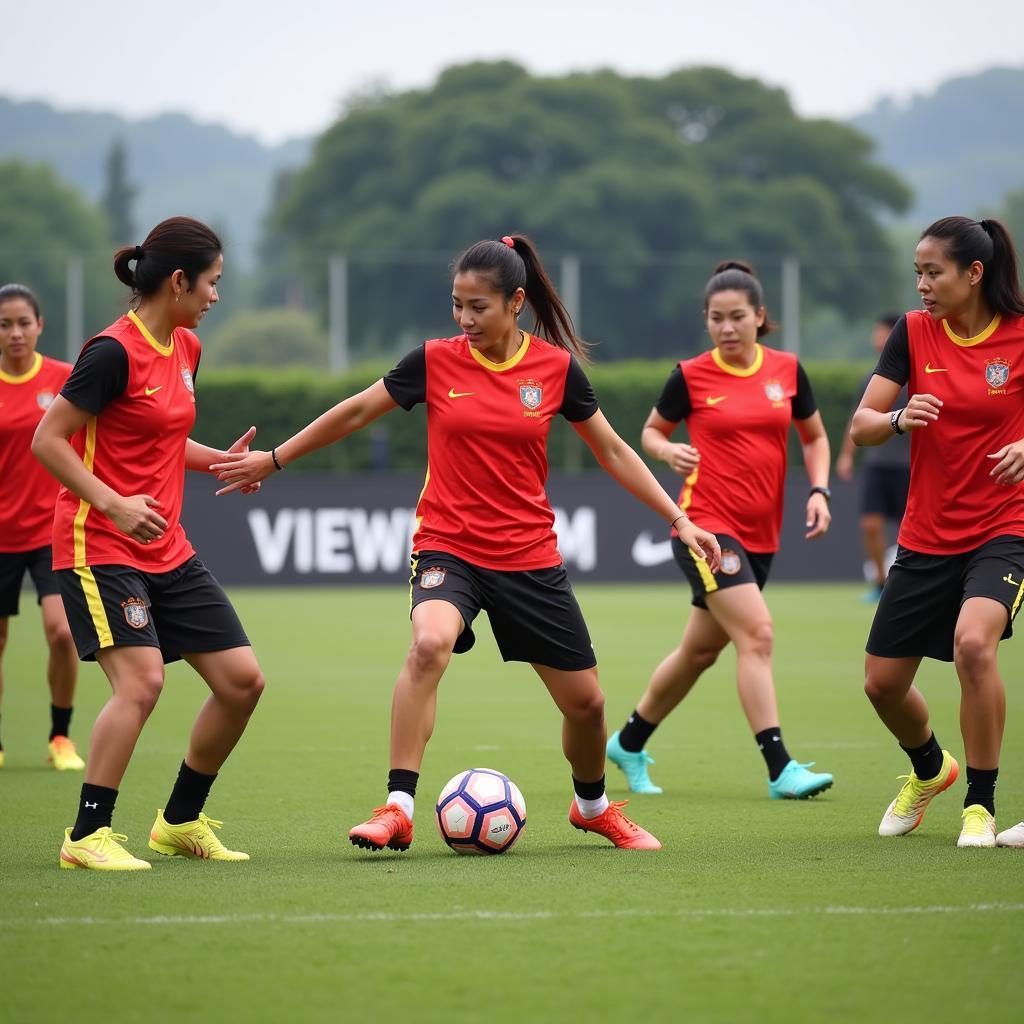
{"points": [[248, 689], [704, 657], [974, 655], [586, 708], [429, 653], [144, 692], [759, 638], [881, 690], [60, 641]]}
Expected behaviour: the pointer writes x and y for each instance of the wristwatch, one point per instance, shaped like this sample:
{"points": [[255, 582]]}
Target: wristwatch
{"points": [[823, 491]]}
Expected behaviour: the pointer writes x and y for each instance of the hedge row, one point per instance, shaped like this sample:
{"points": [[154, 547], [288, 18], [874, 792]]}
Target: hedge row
{"points": [[280, 403]]}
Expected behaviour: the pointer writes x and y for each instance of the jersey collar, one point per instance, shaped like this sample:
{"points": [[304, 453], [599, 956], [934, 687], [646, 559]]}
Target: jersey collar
{"points": [[24, 378], [164, 350], [509, 363], [977, 339], [735, 370]]}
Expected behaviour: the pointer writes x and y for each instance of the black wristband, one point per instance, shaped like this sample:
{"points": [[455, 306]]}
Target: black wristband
{"points": [[273, 455], [894, 421], [824, 492]]}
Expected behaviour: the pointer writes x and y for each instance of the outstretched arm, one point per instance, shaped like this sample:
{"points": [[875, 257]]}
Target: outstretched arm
{"points": [[627, 468], [244, 469]]}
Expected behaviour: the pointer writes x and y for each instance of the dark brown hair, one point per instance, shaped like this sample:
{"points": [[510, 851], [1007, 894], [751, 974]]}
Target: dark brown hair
{"points": [[738, 276], [178, 243], [518, 266], [989, 243], [19, 291]]}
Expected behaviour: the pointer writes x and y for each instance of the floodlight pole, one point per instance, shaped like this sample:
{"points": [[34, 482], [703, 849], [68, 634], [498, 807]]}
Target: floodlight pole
{"points": [[571, 287], [75, 301], [337, 313], [791, 304]]}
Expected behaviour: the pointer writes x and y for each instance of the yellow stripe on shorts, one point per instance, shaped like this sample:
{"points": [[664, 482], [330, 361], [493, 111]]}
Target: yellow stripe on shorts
{"points": [[707, 577], [414, 564], [1016, 603], [97, 612]]}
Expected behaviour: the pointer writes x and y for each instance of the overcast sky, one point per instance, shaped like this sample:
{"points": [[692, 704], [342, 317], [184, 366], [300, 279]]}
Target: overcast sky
{"points": [[280, 69]]}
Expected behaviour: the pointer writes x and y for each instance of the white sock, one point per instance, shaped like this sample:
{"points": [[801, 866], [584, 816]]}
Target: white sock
{"points": [[403, 800], [592, 808]]}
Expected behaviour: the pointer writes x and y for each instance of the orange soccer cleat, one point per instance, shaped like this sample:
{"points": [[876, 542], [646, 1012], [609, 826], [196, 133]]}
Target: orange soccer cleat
{"points": [[390, 826], [615, 827]]}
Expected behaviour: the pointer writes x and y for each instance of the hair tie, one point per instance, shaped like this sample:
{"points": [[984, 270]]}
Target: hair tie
{"points": [[509, 241], [139, 252], [983, 224]]}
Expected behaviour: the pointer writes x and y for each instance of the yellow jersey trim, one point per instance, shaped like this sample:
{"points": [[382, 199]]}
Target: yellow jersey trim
{"points": [[164, 350], [24, 378], [509, 363], [88, 458], [735, 370], [97, 612], [977, 339]]}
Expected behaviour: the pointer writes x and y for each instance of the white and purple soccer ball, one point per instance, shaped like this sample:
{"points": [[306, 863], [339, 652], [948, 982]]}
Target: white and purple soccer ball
{"points": [[481, 811]]}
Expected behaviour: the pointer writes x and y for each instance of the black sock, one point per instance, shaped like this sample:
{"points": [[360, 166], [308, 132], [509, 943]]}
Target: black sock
{"points": [[635, 733], [773, 750], [588, 790], [926, 759], [95, 809], [403, 780], [191, 788], [981, 788], [60, 720]]}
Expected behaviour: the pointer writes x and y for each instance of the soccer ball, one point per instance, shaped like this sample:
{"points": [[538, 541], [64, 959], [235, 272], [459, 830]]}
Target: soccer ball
{"points": [[480, 811]]}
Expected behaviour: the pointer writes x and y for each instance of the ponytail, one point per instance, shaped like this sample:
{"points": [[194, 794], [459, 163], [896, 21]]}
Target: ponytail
{"points": [[514, 263], [178, 243]]}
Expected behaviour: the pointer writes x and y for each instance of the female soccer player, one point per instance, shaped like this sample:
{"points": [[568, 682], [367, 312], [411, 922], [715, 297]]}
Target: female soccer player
{"points": [[738, 400], [136, 594], [958, 579], [485, 539], [28, 383]]}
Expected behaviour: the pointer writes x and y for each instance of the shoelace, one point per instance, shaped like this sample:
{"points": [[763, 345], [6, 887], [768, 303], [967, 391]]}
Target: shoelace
{"points": [[976, 823], [619, 820], [904, 805]]}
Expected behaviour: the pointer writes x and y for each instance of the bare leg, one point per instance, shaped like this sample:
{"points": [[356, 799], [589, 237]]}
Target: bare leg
{"points": [[436, 626], [703, 640], [235, 683], [3, 646], [889, 684], [578, 696], [136, 676], [62, 667], [872, 528], [983, 697]]}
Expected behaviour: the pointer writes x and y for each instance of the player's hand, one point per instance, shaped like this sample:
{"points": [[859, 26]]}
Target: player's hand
{"points": [[137, 517], [919, 412], [818, 516], [703, 544], [240, 470], [1009, 467], [681, 458], [844, 466], [242, 445]]}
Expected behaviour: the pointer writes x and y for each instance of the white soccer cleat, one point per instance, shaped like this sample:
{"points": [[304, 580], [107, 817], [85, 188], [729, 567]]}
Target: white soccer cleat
{"points": [[904, 814], [979, 828], [1012, 837]]}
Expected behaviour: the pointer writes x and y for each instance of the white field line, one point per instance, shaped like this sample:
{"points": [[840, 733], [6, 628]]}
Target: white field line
{"points": [[514, 915]]}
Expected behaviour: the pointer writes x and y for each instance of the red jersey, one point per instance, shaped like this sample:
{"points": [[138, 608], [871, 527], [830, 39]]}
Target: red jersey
{"points": [[954, 505], [26, 513], [739, 421], [140, 393], [487, 428]]}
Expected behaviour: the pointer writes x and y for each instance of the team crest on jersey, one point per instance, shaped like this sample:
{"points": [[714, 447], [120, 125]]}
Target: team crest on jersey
{"points": [[432, 577], [530, 393], [44, 399], [997, 372], [135, 612], [730, 562], [775, 391], [186, 376]]}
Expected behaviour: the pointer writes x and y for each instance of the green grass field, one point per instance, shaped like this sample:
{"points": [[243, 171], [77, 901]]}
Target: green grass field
{"points": [[754, 909]]}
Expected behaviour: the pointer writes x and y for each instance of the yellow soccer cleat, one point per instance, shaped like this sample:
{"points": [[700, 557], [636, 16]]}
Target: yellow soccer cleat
{"points": [[63, 755], [979, 827], [99, 851], [1, 759], [190, 839], [904, 814]]}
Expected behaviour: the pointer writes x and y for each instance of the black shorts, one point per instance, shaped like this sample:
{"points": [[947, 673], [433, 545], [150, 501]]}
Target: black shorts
{"points": [[533, 614], [884, 491], [13, 565], [184, 611], [920, 603], [738, 566]]}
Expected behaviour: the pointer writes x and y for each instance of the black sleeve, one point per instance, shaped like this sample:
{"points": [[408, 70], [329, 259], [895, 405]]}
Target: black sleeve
{"points": [[894, 362], [99, 376], [803, 403], [674, 402], [407, 382], [579, 402]]}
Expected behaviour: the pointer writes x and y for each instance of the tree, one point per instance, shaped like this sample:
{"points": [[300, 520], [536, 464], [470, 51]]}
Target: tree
{"points": [[119, 195], [648, 181], [272, 337]]}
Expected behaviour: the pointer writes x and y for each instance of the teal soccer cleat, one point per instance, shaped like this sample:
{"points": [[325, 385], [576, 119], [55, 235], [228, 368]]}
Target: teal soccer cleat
{"points": [[797, 783], [634, 766]]}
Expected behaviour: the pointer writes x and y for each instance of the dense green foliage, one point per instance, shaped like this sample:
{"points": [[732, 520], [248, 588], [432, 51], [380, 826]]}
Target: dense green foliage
{"points": [[635, 175], [267, 337], [230, 400], [755, 910]]}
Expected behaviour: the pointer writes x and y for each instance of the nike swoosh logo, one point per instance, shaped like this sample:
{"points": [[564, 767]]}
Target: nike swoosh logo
{"points": [[716, 400], [460, 394], [153, 391], [647, 551], [928, 368]]}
